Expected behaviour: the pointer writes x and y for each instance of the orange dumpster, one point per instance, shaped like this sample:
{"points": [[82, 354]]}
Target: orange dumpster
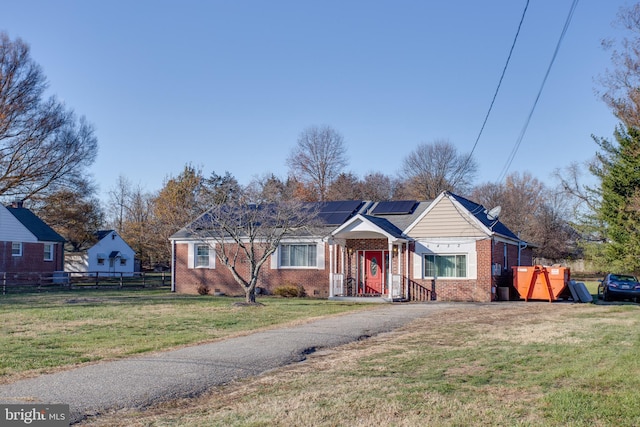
{"points": [[540, 282]]}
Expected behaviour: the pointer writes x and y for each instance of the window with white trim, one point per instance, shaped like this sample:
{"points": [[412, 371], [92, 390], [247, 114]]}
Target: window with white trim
{"points": [[48, 251], [299, 255], [202, 256], [445, 266], [16, 249]]}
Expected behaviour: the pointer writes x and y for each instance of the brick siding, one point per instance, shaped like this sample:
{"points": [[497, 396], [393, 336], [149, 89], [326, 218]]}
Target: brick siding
{"points": [[479, 289], [220, 279], [316, 282], [32, 259]]}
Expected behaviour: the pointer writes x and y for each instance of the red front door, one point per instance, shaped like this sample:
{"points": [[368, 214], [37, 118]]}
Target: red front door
{"points": [[373, 272]]}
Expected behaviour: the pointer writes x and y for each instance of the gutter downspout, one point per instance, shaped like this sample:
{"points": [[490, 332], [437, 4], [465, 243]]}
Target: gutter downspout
{"points": [[331, 275], [173, 266], [520, 248]]}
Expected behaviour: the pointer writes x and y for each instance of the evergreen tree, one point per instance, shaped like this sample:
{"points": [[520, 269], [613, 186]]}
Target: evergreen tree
{"points": [[618, 169]]}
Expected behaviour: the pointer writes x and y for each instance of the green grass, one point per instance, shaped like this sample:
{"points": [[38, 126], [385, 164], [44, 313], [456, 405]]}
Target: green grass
{"points": [[45, 331]]}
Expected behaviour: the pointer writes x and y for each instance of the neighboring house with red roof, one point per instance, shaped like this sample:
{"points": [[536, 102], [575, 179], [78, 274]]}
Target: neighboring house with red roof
{"points": [[109, 256], [449, 249], [27, 244]]}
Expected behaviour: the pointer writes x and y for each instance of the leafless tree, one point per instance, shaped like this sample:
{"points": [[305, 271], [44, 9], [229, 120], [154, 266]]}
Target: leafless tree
{"points": [[622, 82], [432, 168], [318, 158], [346, 186], [553, 234], [246, 230], [43, 146], [131, 214], [520, 196], [534, 212], [136, 230], [378, 187], [119, 198], [585, 200]]}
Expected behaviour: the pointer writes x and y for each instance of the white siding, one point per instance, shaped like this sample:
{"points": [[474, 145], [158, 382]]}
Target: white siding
{"points": [[446, 220], [12, 230], [76, 262], [111, 242]]}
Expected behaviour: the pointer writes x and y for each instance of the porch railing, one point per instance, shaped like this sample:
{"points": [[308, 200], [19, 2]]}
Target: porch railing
{"points": [[417, 292], [401, 287]]}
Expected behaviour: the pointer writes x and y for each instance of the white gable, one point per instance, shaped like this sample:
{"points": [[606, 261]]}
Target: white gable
{"points": [[359, 227], [111, 243], [445, 217], [12, 230]]}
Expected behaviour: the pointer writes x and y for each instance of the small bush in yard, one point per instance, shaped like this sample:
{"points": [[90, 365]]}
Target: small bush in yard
{"points": [[203, 290], [290, 291]]}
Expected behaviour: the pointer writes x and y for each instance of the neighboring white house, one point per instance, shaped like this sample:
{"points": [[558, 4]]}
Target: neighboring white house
{"points": [[110, 256]]}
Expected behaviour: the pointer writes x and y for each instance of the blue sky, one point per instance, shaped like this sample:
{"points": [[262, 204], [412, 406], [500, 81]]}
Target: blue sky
{"points": [[229, 85]]}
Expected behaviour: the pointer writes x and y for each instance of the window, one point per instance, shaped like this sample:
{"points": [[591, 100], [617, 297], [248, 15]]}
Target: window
{"points": [[445, 266], [202, 255], [100, 261], [123, 261], [300, 255], [48, 251], [16, 249]]}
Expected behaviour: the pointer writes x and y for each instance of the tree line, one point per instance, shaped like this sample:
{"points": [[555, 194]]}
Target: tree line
{"points": [[46, 150]]}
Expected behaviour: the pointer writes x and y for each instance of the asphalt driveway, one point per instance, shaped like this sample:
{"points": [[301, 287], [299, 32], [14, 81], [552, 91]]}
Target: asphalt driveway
{"points": [[138, 382]]}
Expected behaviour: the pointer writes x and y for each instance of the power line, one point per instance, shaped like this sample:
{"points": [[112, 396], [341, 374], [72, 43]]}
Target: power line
{"points": [[535, 103], [504, 70], [495, 95]]}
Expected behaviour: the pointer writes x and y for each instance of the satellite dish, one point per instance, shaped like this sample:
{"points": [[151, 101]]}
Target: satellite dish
{"points": [[494, 213]]}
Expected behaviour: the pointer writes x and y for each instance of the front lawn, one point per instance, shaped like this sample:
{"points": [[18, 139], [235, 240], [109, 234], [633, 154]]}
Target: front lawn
{"points": [[42, 332]]}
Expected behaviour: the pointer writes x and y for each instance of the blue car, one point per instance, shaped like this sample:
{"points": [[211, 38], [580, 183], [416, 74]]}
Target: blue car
{"points": [[619, 287]]}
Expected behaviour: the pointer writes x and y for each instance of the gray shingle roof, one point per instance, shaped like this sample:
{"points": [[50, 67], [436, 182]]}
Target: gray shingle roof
{"points": [[395, 223], [35, 225]]}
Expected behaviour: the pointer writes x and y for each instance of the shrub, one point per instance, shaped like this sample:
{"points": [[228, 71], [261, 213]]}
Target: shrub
{"points": [[290, 291], [203, 290]]}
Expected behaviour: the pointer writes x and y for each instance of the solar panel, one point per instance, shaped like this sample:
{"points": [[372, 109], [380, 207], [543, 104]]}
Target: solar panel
{"points": [[337, 212], [394, 207], [340, 206]]}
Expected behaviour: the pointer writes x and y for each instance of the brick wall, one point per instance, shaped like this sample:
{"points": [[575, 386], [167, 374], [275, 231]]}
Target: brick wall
{"points": [[316, 282], [220, 279], [32, 259], [479, 289]]}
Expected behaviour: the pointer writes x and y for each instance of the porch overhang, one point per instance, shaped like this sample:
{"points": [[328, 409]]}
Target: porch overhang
{"points": [[363, 227]]}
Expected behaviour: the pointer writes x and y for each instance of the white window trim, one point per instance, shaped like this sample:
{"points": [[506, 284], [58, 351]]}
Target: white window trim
{"points": [[445, 247], [466, 267], [21, 249], [192, 257], [51, 251], [276, 257]]}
